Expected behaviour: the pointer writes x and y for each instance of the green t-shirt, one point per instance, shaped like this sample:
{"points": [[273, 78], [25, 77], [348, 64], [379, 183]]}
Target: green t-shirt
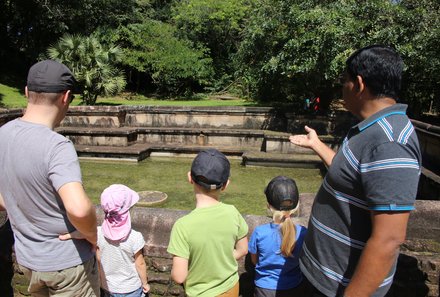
{"points": [[207, 237]]}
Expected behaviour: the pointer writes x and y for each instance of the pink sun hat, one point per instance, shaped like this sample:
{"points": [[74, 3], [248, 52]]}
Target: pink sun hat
{"points": [[116, 202]]}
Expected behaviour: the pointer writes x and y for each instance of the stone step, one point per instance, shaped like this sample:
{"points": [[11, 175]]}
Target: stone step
{"points": [[251, 156], [241, 139], [100, 136], [135, 152], [282, 160], [141, 151]]}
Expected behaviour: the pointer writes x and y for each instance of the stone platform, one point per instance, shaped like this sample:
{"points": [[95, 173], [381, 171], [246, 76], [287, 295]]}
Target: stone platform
{"points": [[258, 135]]}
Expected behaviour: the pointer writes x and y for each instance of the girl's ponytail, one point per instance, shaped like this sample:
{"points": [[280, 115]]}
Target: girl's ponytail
{"points": [[283, 201], [287, 229]]}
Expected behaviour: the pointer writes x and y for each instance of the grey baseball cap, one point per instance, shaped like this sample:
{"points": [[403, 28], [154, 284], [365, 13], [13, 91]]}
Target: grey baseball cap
{"points": [[210, 169], [50, 76]]}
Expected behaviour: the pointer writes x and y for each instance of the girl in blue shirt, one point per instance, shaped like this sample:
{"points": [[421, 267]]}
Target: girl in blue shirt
{"points": [[275, 247]]}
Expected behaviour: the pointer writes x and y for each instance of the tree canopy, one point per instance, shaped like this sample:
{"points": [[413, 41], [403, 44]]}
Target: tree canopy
{"points": [[297, 49], [174, 65], [92, 64], [267, 50]]}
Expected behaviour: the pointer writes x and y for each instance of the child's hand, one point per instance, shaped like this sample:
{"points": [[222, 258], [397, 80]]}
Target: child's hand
{"points": [[76, 235], [72, 235], [146, 288]]}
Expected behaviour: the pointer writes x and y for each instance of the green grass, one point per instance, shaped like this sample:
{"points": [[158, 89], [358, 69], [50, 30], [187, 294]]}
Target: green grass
{"points": [[11, 97], [172, 102], [169, 175]]}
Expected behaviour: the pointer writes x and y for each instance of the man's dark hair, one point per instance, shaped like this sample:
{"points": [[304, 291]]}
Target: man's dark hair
{"points": [[380, 67]]}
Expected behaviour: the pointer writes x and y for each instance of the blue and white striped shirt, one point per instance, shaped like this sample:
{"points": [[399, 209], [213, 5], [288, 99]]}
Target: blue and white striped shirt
{"points": [[377, 168]]}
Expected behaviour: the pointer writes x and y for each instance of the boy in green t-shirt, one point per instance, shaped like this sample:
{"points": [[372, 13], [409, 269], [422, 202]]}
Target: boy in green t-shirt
{"points": [[207, 242]]}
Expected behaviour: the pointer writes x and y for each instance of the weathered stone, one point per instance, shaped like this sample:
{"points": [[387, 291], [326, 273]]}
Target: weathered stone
{"points": [[432, 277], [162, 265], [177, 290], [159, 278], [433, 291], [431, 264], [160, 290], [421, 245]]}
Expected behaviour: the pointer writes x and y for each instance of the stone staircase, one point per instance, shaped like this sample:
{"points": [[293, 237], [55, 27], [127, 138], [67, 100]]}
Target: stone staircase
{"points": [[135, 133], [258, 135]]}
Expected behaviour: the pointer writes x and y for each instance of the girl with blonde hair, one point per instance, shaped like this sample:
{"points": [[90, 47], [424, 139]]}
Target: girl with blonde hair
{"points": [[275, 247]]}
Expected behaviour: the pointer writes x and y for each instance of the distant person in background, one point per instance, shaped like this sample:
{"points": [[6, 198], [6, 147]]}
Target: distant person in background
{"points": [[360, 213], [306, 104], [316, 105], [6, 264], [275, 247], [41, 189]]}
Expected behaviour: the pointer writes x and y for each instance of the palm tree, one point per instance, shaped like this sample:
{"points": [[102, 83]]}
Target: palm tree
{"points": [[92, 63]]}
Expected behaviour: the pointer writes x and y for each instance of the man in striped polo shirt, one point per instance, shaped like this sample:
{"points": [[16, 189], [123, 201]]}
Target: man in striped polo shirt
{"points": [[360, 213]]}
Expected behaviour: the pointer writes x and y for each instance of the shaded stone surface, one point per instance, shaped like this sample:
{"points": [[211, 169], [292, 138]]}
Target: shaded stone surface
{"points": [[159, 278], [162, 265]]}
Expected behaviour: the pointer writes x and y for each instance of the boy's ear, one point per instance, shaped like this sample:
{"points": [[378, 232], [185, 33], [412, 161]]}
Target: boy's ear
{"points": [[226, 185], [26, 92], [190, 180]]}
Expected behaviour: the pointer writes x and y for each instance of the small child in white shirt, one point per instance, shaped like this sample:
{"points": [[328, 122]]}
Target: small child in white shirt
{"points": [[122, 269]]}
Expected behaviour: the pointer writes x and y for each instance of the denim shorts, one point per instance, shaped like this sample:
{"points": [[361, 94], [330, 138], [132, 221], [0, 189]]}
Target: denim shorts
{"points": [[136, 293]]}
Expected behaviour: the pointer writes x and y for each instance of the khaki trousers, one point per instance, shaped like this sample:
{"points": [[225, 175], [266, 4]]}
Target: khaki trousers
{"points": [[78, 281]]}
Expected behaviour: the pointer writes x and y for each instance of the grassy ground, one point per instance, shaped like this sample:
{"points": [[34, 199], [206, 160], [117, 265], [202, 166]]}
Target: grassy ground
{"points": [[169, 175], [12, 97]]}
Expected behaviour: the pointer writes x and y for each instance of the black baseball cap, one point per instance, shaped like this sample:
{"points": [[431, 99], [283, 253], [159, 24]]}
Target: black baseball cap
{"points": [[50, 76], [210, 169], [282, 193]]}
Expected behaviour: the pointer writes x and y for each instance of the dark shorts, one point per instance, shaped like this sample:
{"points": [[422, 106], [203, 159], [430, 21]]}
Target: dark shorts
{"points": [[300, 291], [6, 264]]}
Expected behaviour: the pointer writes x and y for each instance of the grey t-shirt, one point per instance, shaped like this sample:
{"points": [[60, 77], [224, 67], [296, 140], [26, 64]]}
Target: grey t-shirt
{"points": [[36, 162]]}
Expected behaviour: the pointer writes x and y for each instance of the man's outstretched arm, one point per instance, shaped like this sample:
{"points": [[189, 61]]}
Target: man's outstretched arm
{"points": [[312, 141]]}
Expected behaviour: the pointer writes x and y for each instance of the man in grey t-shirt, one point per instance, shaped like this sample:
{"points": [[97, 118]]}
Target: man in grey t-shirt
{"points": [[41, 189], [360, 213]]}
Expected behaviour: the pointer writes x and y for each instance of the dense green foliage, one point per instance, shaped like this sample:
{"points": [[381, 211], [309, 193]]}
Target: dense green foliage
{"points": [[93, 65], [295, 49], [267, 50], [216, 25], [173, 64]]}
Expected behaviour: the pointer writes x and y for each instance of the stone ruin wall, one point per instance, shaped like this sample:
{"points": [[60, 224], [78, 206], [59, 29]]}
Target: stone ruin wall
{"points": [[418, 268]]}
